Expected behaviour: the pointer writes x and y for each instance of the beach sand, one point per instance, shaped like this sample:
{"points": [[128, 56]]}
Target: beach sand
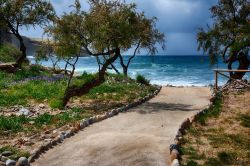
{"points": [[140, 137]]}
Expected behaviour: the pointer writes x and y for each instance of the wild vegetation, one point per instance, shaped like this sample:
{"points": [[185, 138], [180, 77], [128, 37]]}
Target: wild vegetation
{"points": [[8, 53]]}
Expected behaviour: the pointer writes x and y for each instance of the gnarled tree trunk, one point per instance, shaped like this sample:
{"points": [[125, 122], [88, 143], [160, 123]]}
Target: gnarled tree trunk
{"points": [[244, 64], [85, 88], [23, 58]]}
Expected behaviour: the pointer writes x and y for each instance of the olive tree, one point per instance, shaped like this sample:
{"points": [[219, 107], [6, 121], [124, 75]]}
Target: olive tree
{"points": [[105, 31], [229, 37], [15, 14]]}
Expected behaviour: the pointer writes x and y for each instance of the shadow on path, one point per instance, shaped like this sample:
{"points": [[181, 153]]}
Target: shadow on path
{"points": [[158, 107]]}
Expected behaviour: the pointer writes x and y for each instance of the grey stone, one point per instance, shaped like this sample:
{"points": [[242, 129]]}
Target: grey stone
{"points": [[4, 159], [10, 162], [7, 153], [175, 162], [174, 146], [22, 161], [23, 111], [48, 140]]}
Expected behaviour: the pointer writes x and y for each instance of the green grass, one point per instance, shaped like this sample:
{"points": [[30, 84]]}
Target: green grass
{"points": [[116, 88], [212, 112], [13, 123], [16, 124], [142, 80], [192, 153], [16, 152], [192, 163], [26, 72], [39, 91], [244, 120]]}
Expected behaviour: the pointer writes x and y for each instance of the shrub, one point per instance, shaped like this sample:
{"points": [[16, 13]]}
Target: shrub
{"points": [[142, 80], [9, 53], [192, 163]]}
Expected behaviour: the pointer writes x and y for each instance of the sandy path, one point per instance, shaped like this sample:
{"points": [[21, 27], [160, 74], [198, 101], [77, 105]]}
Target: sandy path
{"points": [[140, 137]]}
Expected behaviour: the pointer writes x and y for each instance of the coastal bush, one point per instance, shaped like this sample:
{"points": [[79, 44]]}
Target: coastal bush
{"points": [[142, 80], [8, 53]]}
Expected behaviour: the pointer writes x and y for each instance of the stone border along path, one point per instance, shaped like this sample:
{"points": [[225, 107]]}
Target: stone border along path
{"points": [[175, 155], [140, 137], [51, 143]]}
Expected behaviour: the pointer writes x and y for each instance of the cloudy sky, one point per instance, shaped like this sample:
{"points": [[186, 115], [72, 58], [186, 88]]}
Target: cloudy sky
{"points": [[178, 19]]}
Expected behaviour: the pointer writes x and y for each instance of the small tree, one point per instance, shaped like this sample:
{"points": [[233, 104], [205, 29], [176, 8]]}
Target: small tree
{"points": [[103, 32], [46, 53], [229, 37], [15, 14], [145, 35]]}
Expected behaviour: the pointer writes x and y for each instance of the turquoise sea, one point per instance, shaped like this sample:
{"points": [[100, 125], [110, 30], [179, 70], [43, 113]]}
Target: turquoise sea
{"points": [[164, 70]]}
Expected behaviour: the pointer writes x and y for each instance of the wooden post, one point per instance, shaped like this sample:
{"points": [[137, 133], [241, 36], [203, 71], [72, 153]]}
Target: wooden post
{"points": [[216, 81]]}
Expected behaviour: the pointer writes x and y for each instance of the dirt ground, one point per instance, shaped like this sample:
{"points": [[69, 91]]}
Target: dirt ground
{"points": [[140, 137], [223, 140]]}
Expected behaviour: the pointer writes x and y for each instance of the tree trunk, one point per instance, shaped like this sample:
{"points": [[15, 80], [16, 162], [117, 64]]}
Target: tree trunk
{"points": [[79, 91], [244, 64], [23, 58], [85, 88], [124, 67], [125, 71]]}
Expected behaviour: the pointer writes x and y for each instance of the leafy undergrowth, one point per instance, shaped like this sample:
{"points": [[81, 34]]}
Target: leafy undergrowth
{"points": [[221, 137]]}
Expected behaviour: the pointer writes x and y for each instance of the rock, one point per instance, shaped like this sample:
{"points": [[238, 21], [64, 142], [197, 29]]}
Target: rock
{"points": [[48, 140], [175, 163], [2, 163], [174, 155], [23, 111], [177, 141], [41, 106], [28, 143], [174, 146], [54, 131], [22, 161], [10, 162], [186, 124], [7, 153], [47, 132], [4, 159]]}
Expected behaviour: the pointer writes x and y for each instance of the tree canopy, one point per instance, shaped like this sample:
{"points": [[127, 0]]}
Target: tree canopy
{"points": [[24, 13], [105, 31], [229, 36]]}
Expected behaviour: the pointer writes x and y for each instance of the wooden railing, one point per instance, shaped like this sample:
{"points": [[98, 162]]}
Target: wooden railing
{"points": [[218, 72]]}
